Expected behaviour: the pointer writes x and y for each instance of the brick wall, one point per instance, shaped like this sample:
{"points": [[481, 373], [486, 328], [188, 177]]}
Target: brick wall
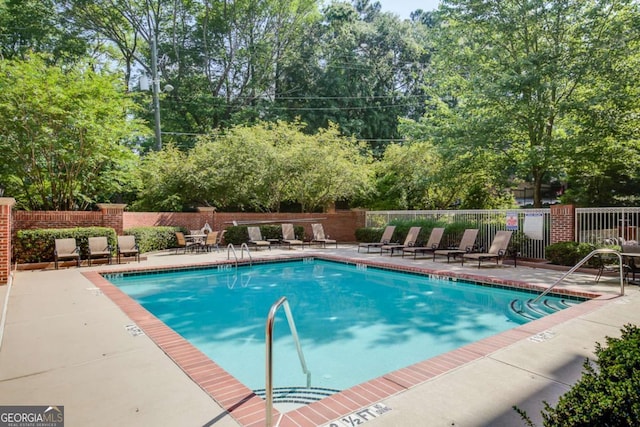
{"points": [[563, 227], [340, 225], [6, 203]]}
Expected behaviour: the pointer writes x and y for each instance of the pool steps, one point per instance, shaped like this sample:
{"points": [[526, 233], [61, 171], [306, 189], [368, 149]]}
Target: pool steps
{"points": [[298, 395], [524, 311]]}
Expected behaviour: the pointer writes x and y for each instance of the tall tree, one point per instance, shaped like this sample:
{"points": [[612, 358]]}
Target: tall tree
{"points": [[517, 73], [64, 134]]}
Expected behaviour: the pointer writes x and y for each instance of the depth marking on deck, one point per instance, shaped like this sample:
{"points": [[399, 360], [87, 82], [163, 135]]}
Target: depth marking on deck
{"points": [[542, 336], [360, 416], [134, 330]]}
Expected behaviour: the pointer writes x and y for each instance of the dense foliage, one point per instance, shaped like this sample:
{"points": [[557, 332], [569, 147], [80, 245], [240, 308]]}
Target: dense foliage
{"points": [[608, 394], [269, 98]]}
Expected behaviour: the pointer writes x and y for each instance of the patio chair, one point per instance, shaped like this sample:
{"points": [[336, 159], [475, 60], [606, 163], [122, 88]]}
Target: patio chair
{"points": [[497, 251], [466, 245], [409, 241], [182, 242], [631, 261], [255, 238], [319, 236], [289, 236], [99, 247], [66, 249], [127, 247], [210, 242], [432, 244], [384, 240]]}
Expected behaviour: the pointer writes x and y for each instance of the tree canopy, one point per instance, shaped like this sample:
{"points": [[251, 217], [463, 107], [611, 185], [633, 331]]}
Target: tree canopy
{"points": [[281, 105]]}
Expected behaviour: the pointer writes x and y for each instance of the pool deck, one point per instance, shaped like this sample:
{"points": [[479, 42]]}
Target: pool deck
{"points": [[71, 340]]}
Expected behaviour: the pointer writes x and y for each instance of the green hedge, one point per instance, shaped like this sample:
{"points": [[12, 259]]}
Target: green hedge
{"points": [[238, 234], [151, 239], [39, 245], [570, 253]]}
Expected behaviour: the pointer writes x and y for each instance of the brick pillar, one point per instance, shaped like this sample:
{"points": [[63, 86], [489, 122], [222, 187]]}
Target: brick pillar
{"points": [[209, 215], [563, 223], [112, 216], [6, 203]]}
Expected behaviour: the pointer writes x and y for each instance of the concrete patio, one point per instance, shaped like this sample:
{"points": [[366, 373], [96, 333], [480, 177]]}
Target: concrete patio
{"points": [[66, 343]]}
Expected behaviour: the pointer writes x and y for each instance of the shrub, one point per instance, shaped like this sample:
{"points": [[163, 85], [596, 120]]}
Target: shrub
{"points": [[38, 245], [238, 234], [155, 238], [608, 394], [567, 253]]}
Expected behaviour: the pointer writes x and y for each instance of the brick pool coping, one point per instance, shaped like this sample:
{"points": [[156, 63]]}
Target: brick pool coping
{"points": [[249, 410]]}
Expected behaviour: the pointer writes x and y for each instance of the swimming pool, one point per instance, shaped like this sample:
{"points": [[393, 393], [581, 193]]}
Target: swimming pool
{"points": [[355, 323]]}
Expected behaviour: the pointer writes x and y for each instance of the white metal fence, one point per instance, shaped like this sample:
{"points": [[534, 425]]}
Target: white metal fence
{"points": [[594, 225], [487, 221]]}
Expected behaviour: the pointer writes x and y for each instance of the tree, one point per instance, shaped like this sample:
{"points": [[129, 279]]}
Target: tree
{"points": [[258, 168], [519, 74], [65, 134]]}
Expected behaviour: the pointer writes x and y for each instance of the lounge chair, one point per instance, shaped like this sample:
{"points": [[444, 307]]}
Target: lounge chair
{"points": [[432, 244], [127, 247], [319, 236], [255, 238], [66, 249], [99, 247], [289, 236], [465, 246], [497, 251], [409, 241], [182, 242], [384, 240]]}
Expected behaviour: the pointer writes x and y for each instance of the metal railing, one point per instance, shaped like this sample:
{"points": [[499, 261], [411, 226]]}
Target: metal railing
{"points": [[595, 225], [232, 250], [581, 263], [269, 359]]}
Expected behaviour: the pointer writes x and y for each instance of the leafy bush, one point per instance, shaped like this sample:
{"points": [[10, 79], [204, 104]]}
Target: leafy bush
{"points": [[238, 234], [567, 253], [608, 394], [38, 245], [155, 238]]}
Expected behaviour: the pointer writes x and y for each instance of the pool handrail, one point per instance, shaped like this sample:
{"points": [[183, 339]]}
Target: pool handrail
{"points": [[269, 356], [231, 248], [582, 262]]}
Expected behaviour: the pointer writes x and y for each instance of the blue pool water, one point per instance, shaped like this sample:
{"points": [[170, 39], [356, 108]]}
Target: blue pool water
{"points": [[354, 323]]}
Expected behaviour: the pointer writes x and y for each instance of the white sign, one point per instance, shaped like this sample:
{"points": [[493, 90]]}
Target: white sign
{"points": [[534, 226]]}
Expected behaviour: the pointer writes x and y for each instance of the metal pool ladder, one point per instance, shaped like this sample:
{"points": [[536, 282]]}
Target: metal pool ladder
{"points": [[584, 260], [269, 365], [232, 249]]}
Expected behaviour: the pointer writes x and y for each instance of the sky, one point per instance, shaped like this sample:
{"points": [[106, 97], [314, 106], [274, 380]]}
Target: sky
{"points": [[403, 8]]}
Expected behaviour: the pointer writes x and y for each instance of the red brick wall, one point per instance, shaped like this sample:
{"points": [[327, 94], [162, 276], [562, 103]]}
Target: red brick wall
{"points": [[29, 220], [563, 226], [6, 203], [340, 225]]}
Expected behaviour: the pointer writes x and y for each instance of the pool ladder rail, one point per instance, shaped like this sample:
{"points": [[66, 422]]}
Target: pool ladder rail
{"points": [[282, 302], [532, 309], [232, 250]]}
